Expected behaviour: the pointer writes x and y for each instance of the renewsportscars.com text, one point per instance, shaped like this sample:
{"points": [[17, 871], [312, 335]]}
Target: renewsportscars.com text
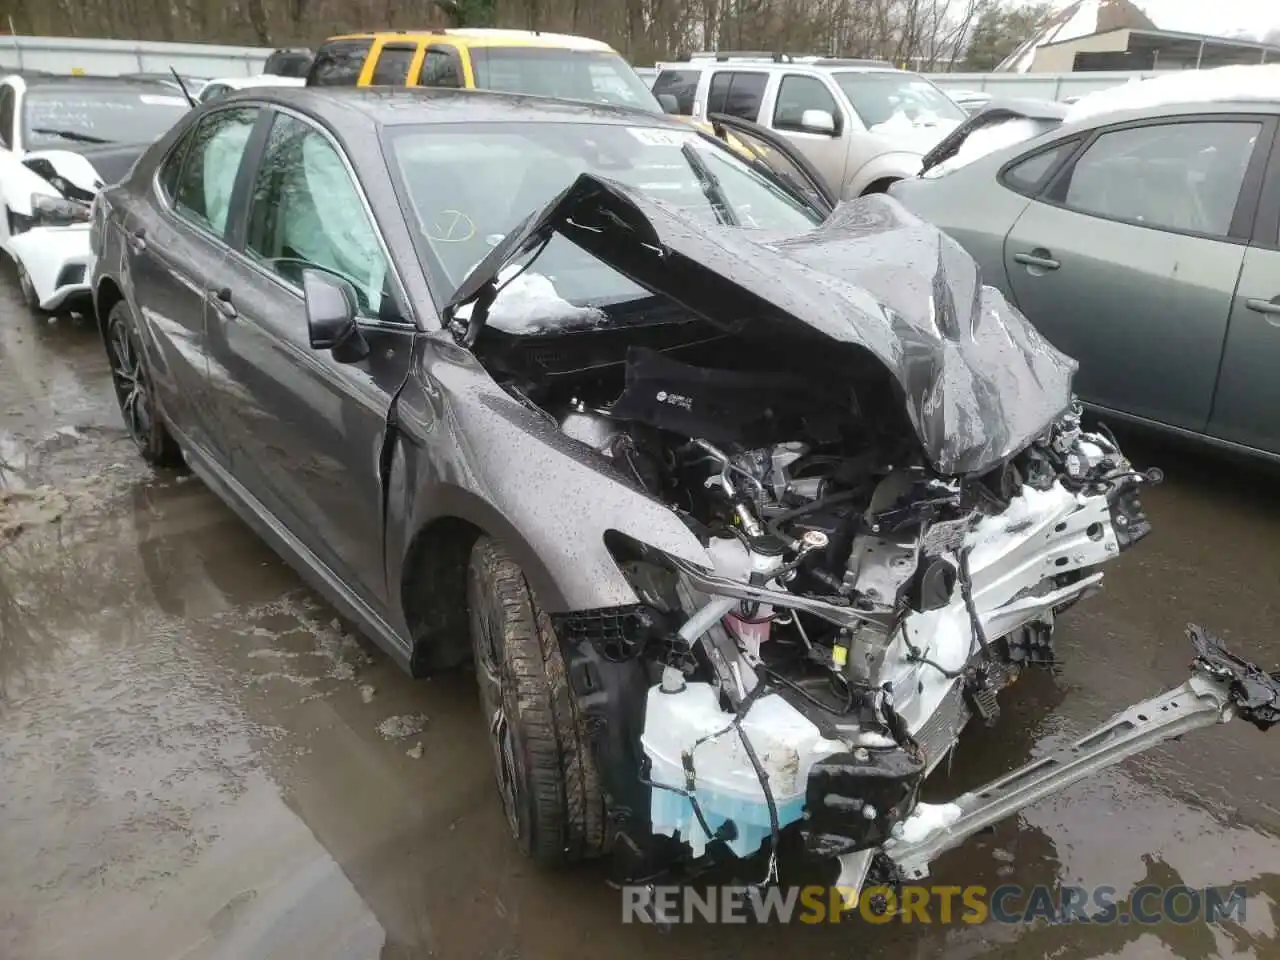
{"points": [[1012, 904]]}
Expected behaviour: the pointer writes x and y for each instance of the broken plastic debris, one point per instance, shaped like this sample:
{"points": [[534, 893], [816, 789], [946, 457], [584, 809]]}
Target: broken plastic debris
{"points": [[397, 728], [414, 752]]}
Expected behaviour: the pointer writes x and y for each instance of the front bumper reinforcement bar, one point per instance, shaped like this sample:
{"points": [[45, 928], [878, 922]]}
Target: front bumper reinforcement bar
{"points": [[1221, 686]]}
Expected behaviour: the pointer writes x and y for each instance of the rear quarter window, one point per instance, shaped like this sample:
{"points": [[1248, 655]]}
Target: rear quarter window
{"points": [[338, 64], [1028, 175]]}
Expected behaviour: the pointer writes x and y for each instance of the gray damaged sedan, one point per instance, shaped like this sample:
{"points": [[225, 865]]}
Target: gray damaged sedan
{"points": [[741, 505]]}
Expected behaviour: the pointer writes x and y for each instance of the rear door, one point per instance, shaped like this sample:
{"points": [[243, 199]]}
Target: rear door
{"points": [[737, 93], [1247, 406], [177, 244], [1128, 260]]}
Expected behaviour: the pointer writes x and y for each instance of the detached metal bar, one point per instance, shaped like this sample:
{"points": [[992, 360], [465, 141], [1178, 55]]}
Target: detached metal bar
{"points": [[1200, 702]]}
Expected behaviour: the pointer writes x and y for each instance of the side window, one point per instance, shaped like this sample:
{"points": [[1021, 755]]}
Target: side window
{"points": [[8, 100], [172, 167], [718, 92], [392, 68], [681, 84], [210, 166], [338, 64], [1174, 176], [305, 212], [737, 94], [798, 94], [1027, 176], [441, 67]]}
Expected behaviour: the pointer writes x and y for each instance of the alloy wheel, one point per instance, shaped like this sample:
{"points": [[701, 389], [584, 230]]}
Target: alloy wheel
{"points": [[129, 376], [493, 697]]}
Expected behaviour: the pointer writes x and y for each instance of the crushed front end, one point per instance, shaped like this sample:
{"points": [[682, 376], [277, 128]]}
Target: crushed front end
{"points": [[852, 625], [895, 497]]}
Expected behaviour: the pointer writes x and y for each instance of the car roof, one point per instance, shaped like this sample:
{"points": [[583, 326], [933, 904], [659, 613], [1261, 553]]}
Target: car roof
{"points": [[1264, 104], [820, 65], [396, 106], [485, 37], [259, 80]]}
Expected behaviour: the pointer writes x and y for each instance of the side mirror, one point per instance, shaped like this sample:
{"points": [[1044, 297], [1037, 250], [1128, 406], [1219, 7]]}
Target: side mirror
{"points": [[331, 317], [669, 103], [818, 121]]}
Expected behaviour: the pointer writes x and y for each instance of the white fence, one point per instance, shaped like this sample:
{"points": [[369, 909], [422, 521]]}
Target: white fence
{"points": [[112, 57], [1038, 86]]}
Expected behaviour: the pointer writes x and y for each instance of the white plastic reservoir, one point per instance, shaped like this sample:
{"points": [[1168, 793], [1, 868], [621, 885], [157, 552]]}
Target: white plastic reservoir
{"points": [[726, 784]]}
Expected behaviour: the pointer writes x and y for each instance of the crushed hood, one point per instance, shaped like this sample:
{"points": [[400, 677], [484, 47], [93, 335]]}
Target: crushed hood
{"points": [[979, 382]]}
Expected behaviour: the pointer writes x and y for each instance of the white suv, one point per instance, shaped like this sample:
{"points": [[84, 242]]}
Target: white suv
{"points": [[862, 123]]}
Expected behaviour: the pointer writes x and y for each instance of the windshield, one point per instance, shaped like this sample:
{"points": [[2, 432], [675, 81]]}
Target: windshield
{"points": [[59, 118], [465, 187], [889, 99], [598, 76]]}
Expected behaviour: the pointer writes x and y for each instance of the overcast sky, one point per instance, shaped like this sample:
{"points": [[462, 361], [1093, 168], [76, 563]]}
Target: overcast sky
{"points": [[1218, 17]]}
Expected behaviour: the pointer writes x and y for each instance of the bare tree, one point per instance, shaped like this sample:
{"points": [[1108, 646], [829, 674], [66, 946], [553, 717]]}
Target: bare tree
{"points": [[928, 34]]}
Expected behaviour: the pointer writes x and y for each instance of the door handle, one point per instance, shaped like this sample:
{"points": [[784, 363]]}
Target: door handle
{"points": [[1035, 260], [221, 300], [138, 240], [1264, 306]]}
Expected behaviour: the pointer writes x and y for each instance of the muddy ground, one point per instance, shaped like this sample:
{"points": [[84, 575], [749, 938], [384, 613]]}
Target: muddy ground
{"points": [[198, 760]]}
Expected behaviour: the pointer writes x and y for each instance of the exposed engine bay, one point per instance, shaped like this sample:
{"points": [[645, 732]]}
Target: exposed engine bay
{"points": [[862, 607], [896, 497]]}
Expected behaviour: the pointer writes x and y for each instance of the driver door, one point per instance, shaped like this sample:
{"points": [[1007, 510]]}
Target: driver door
{"points": [[771, 152], [306, 432]]}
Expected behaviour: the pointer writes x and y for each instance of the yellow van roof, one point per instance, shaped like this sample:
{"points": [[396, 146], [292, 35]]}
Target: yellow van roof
{"points": [[486, 37]]}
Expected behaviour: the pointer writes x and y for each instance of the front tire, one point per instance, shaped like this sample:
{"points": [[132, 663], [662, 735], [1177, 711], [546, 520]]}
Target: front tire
{"points": [[546, 776], [135, 392]]}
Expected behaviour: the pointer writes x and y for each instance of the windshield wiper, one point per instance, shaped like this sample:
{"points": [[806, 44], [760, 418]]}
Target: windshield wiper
{"points": [[69, 135], [710, 184]]}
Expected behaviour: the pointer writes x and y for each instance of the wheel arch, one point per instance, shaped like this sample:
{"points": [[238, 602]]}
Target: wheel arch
{"points": [[881, 185], [105, 297], [432, 578]]}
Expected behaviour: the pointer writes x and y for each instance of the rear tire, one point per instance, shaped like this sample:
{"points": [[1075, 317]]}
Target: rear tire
{"points": [[135, 392], [546, 776]]}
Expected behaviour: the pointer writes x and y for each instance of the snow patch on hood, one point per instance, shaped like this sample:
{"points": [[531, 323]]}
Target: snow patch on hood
{"points": [[915, 136], [529, 303]]}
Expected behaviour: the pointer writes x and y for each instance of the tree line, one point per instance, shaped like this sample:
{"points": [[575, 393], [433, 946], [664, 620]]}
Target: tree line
{"points": [[924, 34]]}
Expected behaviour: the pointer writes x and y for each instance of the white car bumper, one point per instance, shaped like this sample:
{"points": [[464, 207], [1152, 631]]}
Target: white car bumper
{"points": [[58, 261]]}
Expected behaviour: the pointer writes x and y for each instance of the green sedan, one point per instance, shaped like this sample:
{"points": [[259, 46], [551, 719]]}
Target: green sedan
{"points": [[1144, 243]]}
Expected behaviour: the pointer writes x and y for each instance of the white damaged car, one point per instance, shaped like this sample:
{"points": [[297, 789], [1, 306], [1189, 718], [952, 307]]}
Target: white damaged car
{"points": [[61, 140]]}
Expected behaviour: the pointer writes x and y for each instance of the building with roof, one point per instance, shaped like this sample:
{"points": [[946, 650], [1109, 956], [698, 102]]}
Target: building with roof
{"points": [[1118, 35]]}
